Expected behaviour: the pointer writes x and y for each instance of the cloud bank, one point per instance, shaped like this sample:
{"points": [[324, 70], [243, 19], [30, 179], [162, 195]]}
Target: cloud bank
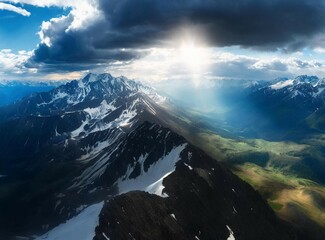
{"points": [[113, 29], [12, 8], [100, 32]]}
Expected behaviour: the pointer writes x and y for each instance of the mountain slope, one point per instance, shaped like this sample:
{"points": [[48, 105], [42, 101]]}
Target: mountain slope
{"points": [[204, 202], [63, 144], [317, 120], [67, 151], [275, 108], [73, 112]]}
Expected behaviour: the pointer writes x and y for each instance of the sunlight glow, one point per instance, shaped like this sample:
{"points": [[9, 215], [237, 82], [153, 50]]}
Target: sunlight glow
{"points": [[188, 59], [195, 57]]}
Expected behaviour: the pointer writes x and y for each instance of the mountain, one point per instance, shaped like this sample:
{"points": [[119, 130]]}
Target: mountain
{"points": [[281, 110], [271, 134], [274, 107], [74, 112], [202, 201], [49, 138], [11, 91], [270, 110], [317, 119], [68, 152], [305, 92]]}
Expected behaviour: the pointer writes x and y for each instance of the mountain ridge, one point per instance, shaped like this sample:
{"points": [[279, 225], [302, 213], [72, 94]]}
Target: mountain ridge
{"points": [[81, 145]]}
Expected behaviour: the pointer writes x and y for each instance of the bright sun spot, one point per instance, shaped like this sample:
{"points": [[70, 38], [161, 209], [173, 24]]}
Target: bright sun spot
{"points": [[187, 58], [195, 57]]}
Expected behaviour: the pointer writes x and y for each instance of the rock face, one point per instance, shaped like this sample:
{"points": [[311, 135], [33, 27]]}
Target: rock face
{"points": [[65, 149], [205, 201]]}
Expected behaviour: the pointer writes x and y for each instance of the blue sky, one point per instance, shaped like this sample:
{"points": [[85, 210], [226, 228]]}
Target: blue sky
{"points": [[155, 41], [18, 32]]}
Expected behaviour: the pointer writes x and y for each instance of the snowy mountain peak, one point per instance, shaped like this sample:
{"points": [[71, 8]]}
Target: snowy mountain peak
{"points": [[303, 79], [305, 90], [320, 83], [306, 79], [97, 102], [91, 77], [111, 85]]}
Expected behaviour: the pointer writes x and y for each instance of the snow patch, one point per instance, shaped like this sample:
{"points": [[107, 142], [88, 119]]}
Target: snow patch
{"points": [[80, 227], [151, 181], [173, 216], [91, 77], [234, 210], [231, 234], [189, 167], [79, 130], [101, 111], [59, 95], [282, 84], [104, 235], [150, 92], [98, 168], [319, 91], [295, 94]]}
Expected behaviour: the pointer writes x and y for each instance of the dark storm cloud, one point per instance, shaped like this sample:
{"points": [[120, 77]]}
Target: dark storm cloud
{"points": [[266, 24], [138, 24]]}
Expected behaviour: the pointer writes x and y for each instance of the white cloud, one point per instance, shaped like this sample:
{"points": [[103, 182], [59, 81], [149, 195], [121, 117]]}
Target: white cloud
{"points": [[320, 50], [81, 9], [165, 65], [50, 28], [64, 76], [9, 7], [46, 3], [161, 63], [12, 64], [83, 13]]}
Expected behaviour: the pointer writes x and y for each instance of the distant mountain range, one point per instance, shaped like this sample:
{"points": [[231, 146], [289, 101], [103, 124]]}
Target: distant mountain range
{"points": [[287, 103], [106, 152], [270, 110], [11, 91]]}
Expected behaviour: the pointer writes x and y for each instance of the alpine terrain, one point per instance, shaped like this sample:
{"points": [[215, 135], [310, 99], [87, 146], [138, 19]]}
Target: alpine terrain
{"points": [[102, 158]]}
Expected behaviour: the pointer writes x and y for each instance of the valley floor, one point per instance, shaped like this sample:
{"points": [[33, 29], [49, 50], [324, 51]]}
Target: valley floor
{"points": [[271, 168]]}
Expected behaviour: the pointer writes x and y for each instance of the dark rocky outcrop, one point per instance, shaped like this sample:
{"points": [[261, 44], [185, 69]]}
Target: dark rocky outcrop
{"points": [[205, 201]]}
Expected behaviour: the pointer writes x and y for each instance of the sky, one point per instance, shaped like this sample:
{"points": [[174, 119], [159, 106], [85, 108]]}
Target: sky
{"points": [[161, 41]]}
